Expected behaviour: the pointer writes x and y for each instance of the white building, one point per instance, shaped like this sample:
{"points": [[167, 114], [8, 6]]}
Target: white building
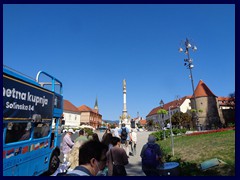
{"points": [[180, 105], [71, 115]]}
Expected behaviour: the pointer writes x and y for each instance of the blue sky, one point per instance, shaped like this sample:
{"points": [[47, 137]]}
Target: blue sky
{"points": [[92, 48]]}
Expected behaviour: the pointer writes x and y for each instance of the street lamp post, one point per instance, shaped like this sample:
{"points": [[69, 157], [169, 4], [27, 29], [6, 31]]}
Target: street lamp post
{"points": [[169, 111], [189, 64], [163, 123]]}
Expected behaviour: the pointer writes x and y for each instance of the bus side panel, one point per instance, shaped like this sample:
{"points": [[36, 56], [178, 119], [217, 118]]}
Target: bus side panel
{"points": [[27, 159], [22, 100]]}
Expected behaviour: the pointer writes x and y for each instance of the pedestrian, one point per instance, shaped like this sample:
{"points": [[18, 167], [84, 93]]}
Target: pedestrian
{"points": [[67, 144], [92, 160], [116, 159], [81, 138], [151, 157], [74, 154], [125, 138], [133, 137], [115, 131], [107, 140], [107, 131], [95, 137]]}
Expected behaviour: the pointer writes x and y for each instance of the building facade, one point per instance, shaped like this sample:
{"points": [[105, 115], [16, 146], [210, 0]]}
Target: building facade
{"points": [[213, 112], [179, 105], [90, 116], [71, 115]]}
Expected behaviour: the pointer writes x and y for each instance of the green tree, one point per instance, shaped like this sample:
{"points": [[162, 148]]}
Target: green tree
{"points": [[150, 124], [181, 119], [162, 112]]}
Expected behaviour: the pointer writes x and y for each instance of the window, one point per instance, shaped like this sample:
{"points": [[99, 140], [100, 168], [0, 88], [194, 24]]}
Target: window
{"points": [[17, 131], [41, 130]]}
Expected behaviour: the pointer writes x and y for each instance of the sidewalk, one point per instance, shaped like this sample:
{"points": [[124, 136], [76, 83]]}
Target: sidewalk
{"points": [[134, 168]]}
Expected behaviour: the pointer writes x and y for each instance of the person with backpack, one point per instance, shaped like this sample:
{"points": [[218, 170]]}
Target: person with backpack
{"points": [[151, 157], [125, 138]]}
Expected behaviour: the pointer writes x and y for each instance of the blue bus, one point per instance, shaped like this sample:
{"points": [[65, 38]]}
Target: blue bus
{"points": [[31, 107]]}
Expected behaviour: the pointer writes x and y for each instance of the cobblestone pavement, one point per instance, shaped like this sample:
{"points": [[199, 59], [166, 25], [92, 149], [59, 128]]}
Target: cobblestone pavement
{"points": [[134, 167]]}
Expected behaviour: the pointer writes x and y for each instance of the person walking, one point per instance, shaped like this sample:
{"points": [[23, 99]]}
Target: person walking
{"points": [[151, 157], [115, 131], [133, 137], [125, 138], [117, 159], [67, 144], [107, 140]]}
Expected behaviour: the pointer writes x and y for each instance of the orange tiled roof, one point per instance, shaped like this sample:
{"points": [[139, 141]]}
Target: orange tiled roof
{"points": [[174, 105], [226, 101], [202, 90], [84, 108], [143, 122], [68, 106]]}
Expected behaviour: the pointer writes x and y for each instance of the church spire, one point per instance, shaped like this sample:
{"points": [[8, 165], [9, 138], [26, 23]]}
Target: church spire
{"points": [[96, 104]]}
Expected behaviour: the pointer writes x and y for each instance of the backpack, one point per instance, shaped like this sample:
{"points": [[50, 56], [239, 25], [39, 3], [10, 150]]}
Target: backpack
{"points": [[124, 134], [150, 156]]}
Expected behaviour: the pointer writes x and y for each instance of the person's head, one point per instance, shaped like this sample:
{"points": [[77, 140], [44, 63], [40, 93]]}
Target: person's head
{"points": [[81, 132], [151, 139], [92, 155], [123, 124], [107, 131], [107, 139], [95, 137], [116, 141], [70, 131]]}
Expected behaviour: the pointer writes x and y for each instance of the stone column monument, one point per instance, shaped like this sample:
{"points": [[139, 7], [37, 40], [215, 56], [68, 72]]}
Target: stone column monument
{"points": [[125, 118]]}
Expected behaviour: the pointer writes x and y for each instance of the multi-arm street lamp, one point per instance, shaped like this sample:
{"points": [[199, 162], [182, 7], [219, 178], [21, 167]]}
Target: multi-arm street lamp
{"points": [[163, 123], [189, 64]]}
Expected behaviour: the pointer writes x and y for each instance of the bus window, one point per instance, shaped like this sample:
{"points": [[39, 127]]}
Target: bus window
{"points": [[17, 132], [41, 130]]}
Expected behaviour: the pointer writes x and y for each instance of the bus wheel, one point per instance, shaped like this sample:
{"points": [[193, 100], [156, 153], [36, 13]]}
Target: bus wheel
{"points": [[54, 163]]}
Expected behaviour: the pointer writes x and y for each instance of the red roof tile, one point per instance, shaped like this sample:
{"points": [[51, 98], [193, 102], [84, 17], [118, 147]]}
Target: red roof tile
{"points": [[68, 106], [202, 90], [143, 122], [174, 105], [84, 108]]}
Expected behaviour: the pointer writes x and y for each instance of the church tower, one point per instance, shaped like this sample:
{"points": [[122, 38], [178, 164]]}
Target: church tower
{"points": [[96, 105]]}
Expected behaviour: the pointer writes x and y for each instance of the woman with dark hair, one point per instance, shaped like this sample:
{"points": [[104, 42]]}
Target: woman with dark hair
{"points": [[95, 137], [107, 140], [117, 159]]}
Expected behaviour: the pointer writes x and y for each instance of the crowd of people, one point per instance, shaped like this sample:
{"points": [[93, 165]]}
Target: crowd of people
{"points": [[90, 156]]}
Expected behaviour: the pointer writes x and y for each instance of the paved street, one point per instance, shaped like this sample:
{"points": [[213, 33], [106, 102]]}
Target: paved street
{"points": [[134, 167]]}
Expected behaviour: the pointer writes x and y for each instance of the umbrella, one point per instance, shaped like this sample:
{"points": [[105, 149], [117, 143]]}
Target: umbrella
{"points": [[87, 126]]}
